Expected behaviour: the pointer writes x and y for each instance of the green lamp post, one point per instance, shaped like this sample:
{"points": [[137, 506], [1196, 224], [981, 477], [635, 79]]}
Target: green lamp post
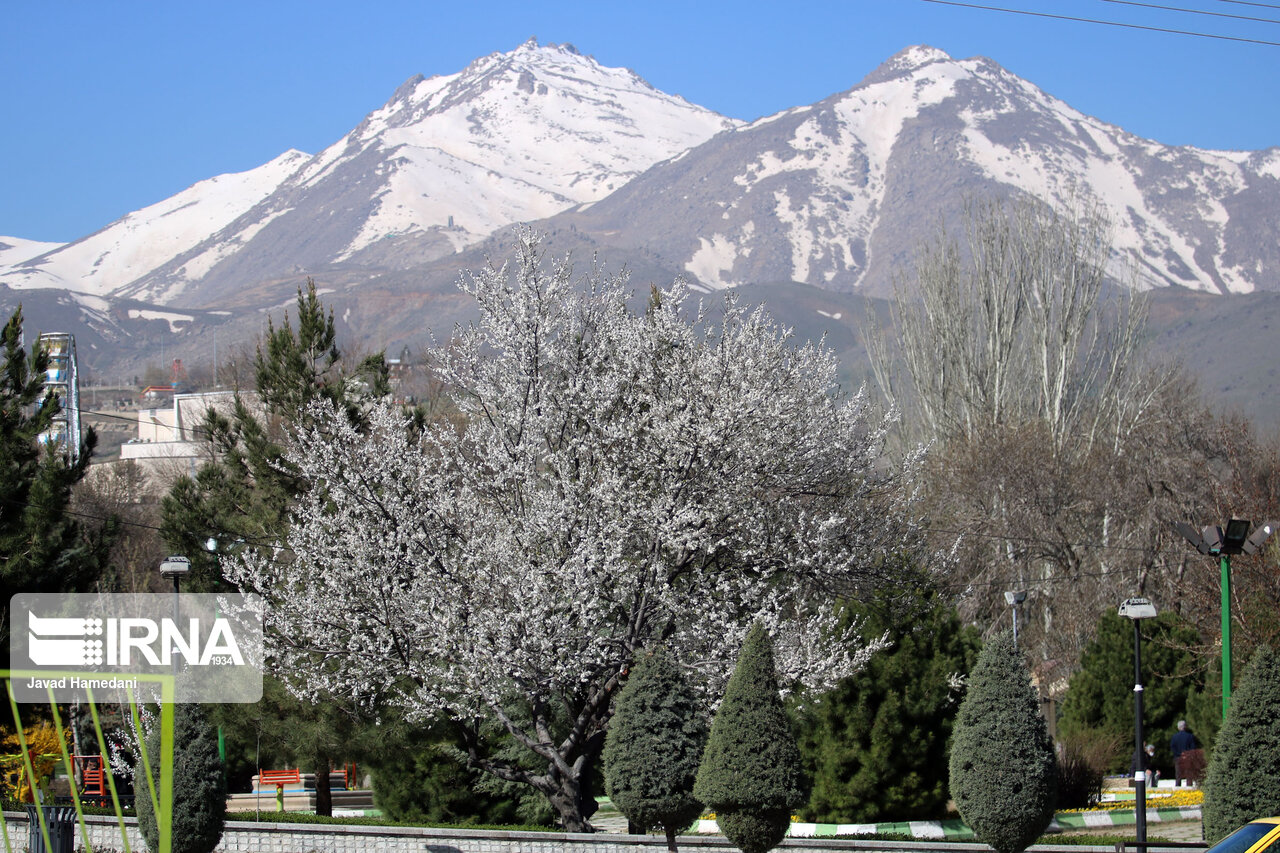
{"points": [[1222, 543]]}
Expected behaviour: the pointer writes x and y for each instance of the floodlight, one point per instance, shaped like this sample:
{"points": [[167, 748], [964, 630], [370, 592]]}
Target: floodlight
{"points": [[1213, 539], [1015, 597], [1261, 534], [1234, 536], [1191, 535], [1138, 608]]}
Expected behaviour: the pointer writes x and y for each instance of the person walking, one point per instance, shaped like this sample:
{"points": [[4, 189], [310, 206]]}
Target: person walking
{"points": [[1181, 743]]}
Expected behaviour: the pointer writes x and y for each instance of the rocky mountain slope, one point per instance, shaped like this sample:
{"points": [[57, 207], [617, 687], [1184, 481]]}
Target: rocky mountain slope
{"points": [[832, 197]]}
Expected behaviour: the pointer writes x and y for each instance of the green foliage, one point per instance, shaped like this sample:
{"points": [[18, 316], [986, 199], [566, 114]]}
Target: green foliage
{"points": [[42, 547], [1003, 771], [1243, 780], [654, 745], [419, 777], [876, 745], [751, 775], [243, 497], [1100, 696], [199, 785]]}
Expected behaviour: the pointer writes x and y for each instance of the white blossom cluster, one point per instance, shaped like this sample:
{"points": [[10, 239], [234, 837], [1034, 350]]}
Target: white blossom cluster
{"points": [[615, 477]]}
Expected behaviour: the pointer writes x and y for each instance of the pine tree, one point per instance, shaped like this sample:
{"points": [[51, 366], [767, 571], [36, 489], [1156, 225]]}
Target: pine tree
{"points": [[242, 499], [751, 775], [653, 747], [876, 745], [199, 784], [1243, 779], [43, 548], [245, 494], [1100, 697], [1003, 772]]}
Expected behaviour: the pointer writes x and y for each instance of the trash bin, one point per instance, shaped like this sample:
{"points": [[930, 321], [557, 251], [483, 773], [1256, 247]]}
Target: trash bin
{"points": [[61, 821]]}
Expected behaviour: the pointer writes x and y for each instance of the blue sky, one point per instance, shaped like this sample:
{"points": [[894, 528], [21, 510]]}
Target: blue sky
{"points": [[109, 107]]}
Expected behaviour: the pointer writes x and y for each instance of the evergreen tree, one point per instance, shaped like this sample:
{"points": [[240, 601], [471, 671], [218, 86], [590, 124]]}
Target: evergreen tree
{"points": [[654, 745], [1243, 779], [751, 775], [1100, 696], [876, 745], [1003, 772], [199, 784], [42, 547], [242, 499]]}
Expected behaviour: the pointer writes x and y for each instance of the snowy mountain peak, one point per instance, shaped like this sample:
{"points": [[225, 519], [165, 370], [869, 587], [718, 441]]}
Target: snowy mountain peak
{"points": [[915, 57]]}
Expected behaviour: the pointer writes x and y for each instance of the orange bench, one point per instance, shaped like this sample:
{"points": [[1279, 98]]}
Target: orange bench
{"points": [[279, 778]]}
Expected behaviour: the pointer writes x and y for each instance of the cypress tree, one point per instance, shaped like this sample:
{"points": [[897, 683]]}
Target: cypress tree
{"points": [[1003, 772], [1243, 779], [653, 747], [199, 784], [751, 773]]}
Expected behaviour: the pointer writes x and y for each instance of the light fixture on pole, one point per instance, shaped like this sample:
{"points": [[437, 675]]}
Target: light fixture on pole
{"points": [[1138, 609], [1220, 543], [1014, 599], [177, 568]]}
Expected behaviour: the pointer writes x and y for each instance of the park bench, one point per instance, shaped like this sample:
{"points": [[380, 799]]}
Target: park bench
{"points": [[279, 778]]}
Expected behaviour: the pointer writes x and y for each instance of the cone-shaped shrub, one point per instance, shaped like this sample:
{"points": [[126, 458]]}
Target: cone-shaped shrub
{"points": [[655, 741], [199, 785], [751, 774], [1003, 772], [1243, 780]]}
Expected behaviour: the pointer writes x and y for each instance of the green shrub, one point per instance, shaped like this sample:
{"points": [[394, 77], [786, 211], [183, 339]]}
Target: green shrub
{"points": [[1243, 780], [751, 773], [1003, 771], [655, 742], [199, 786]]}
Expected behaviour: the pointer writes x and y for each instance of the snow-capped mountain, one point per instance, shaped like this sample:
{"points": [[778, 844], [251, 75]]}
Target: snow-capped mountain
{"points": [[836, 195], [514, 137], [839, 194]]}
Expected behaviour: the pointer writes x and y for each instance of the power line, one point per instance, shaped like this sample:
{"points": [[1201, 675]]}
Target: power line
{"points": [[1192, 11], [1102, 22]]}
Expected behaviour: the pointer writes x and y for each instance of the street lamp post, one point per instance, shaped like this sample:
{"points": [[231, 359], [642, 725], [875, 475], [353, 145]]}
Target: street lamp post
{"points": [[1220, 543], [1138, 609], [1014, 599]]}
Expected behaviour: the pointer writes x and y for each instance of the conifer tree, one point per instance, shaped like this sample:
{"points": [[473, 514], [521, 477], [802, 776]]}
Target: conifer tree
{"points": [[751, 774], [242, 499], [1003, 771], [876, 745], [654, 745], [199, 784], [43, 548], [1243, 779]]}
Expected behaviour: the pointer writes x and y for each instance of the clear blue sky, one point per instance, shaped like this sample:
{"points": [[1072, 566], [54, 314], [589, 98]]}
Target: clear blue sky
{"points": [[106, 107]]}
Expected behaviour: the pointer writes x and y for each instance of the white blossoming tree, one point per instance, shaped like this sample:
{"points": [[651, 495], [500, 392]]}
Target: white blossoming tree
{"points": [[617, 477]]}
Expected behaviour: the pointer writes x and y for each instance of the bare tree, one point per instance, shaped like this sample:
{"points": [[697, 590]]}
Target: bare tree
{"points": [[1022, 364]]}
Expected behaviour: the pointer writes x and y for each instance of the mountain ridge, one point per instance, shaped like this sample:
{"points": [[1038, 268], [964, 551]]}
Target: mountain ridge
{"points": [[837, 195]]}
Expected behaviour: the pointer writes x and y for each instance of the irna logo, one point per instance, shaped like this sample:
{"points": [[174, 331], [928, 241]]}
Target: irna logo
{"points": [[93, 641]]}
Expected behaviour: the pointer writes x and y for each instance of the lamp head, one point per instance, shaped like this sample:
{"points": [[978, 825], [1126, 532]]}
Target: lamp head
{"points": [[1261, 534], [175, 567], [1234, 537], [1138, 608], [1015, 597]]}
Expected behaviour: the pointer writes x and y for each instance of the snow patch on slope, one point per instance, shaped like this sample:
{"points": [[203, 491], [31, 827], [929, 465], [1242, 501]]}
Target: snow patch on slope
{"points": [[141, 241]]}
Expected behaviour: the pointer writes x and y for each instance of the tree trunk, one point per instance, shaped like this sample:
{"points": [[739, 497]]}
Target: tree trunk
{"points": [[324, 796], [671, 839]]}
